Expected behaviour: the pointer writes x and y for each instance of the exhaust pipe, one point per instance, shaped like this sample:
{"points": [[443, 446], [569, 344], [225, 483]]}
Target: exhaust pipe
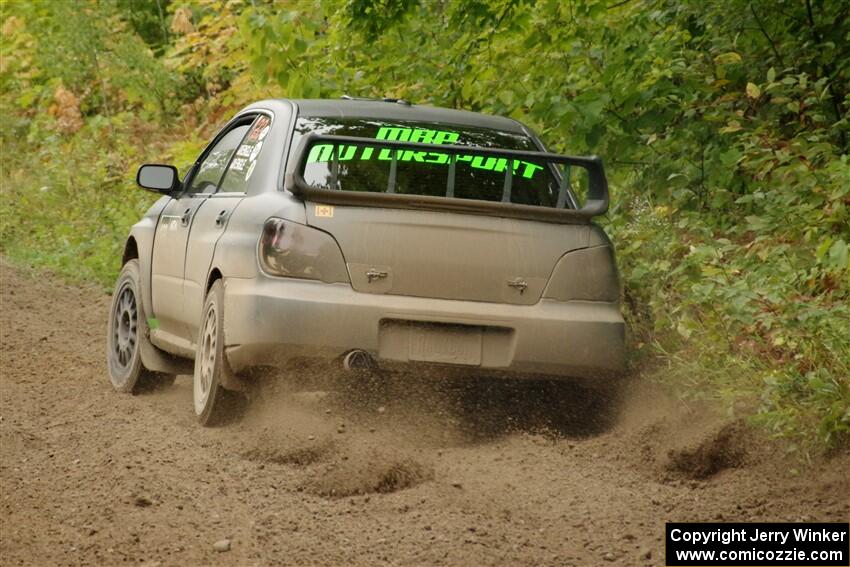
{"points": [[358, 359]]}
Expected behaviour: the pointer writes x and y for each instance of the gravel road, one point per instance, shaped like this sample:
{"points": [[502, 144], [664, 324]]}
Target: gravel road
{"points": [[422, 471]]}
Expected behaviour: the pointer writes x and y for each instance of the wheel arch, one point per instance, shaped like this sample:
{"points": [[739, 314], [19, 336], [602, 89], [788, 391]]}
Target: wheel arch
{"points": [[215, 274], [131, 250]]}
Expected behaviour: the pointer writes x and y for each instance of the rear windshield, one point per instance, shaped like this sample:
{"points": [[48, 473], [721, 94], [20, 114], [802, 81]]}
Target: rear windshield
{"points": [[364, 168]]}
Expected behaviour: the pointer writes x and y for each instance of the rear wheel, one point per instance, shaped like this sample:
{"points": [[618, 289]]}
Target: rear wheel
{"points": [[213, 403], [127, 329]]}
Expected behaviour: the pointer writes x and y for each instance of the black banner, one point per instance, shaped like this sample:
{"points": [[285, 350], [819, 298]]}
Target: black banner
{"points": [[757, 544]]}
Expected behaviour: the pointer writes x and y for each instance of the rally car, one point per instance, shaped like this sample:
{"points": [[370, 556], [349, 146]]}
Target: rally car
{"points": [[375, 233]]}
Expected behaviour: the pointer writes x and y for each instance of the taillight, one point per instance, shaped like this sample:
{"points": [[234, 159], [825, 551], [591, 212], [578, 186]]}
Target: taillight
{"points": [[589, 274], [294, 250]]}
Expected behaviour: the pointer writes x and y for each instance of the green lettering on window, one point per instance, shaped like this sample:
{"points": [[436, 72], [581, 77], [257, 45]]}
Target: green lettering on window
{"points": [[393, 134], [320, 152], [325, 152], [410, 155], [441, 137], [386, 154], [347, 152], [530, 169], [437, 157], [422, 136]]}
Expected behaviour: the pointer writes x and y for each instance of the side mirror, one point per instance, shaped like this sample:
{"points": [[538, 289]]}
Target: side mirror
{"points": [[158, 178]]}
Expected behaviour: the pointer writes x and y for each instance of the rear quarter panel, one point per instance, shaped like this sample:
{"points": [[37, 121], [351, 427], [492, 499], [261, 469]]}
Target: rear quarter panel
{"points": [[236, 251]]}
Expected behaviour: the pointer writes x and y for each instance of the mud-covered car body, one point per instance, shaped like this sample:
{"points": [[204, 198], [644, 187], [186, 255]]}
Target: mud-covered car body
{"points": [[410, 233]]}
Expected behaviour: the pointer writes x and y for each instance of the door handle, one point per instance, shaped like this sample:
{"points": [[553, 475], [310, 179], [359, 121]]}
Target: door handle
{"points": [[187, 215], [219, 220]]}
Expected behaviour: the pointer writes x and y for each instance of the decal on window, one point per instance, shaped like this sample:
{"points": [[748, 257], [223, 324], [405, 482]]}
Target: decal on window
{"points": [[256, 151], [245, 160], [259, 130], [325, 152], [238, 164]]}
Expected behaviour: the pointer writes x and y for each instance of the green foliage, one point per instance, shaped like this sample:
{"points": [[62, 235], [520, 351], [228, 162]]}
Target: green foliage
{"points": [[81, 102], [67, 213], [88, 49], [148, 19], [724, 125]]}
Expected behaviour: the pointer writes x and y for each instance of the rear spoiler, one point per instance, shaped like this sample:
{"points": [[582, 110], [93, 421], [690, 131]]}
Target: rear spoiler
{"points": [[597, 197]]}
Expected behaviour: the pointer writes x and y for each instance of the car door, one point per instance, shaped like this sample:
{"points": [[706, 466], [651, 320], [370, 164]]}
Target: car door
{"points": [[173, 230], [210, 222]]}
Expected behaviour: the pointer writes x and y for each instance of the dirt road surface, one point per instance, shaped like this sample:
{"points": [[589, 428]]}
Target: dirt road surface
{"points": [[424, 471]]}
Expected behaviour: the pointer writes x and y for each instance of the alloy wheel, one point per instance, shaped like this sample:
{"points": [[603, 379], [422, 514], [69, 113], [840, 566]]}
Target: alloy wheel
{"points": [[125, 320]]}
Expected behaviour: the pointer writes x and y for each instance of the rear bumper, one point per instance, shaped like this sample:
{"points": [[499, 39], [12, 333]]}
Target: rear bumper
{"points": [[269, 321]]}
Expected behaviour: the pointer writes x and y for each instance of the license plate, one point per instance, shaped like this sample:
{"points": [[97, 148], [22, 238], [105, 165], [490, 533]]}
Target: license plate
{"points": [[447, 345]]}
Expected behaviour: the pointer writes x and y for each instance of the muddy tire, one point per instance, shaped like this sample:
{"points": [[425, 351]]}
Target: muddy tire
{"points": [[214, 405], [126, 330]]}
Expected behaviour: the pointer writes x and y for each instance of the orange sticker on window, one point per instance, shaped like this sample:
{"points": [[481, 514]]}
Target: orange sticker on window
{"points": [[324, 211]]}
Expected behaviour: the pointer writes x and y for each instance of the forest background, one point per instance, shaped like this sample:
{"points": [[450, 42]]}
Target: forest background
{"points": [[724, 126]]}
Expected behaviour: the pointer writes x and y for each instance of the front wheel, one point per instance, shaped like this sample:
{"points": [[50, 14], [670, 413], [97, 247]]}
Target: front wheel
{"points": [[127, 329], [213, 403]]}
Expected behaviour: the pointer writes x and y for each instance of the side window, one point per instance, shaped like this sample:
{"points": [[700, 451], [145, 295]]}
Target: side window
{"points": [[209, 173], [242, 166]]}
